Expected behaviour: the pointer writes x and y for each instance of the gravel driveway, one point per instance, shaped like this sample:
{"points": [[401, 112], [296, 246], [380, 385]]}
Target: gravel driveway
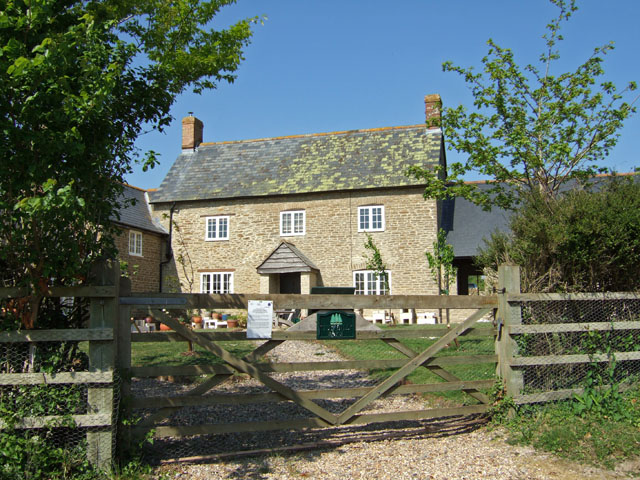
{"points": [[458, 448], [480, 454]]}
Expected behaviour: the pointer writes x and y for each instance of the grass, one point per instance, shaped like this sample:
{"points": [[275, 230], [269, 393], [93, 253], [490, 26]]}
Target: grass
{"points": [[149, 354], [174, 354], [592, 437], [377, 349]]}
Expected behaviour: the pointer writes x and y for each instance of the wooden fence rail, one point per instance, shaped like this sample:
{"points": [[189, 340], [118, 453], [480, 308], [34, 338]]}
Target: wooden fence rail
{"points": [[100, 335], [324, 301], [110, 339], [155, 337], [512, 363]]}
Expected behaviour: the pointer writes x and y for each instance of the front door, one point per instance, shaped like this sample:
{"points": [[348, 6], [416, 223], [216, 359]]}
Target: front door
{"points": [[290, 282]]}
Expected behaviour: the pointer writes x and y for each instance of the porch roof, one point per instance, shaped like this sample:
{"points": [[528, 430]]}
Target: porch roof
{"points": [[286, 258]]}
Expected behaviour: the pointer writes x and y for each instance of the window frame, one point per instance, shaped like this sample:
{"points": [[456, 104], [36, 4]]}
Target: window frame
{"points": [[217, 219], [292, 224], [370, 218], [137, 234], [211, 282], [366, 283]]}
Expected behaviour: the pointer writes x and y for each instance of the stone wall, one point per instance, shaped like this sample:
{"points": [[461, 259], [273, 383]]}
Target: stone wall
{"points": [[332, 241], [144, 271]]}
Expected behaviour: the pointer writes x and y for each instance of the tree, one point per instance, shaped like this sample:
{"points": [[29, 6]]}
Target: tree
{"points": [[532, 130], [441, 266], [585, 241], [374, 262], [78, 83]]}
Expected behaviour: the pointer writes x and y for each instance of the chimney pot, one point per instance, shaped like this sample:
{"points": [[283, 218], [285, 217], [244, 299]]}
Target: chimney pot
{"points": [[432, 107], [191, 132]]}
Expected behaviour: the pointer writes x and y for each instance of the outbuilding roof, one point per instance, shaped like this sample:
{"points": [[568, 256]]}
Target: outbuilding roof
{"points": [[136, 212], [350, 160], [468, 225]]}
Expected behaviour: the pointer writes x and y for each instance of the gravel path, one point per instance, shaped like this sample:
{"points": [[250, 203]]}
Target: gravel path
{"points": [[445, 449], [476, 455]]}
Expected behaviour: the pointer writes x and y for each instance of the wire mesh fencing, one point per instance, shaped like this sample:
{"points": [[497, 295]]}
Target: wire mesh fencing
{"points": [[564, 343], [50, 401]]}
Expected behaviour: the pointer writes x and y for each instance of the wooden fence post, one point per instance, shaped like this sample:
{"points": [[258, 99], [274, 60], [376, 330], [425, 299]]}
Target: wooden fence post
{"points": [[103, 314], [506, 347], [122, 337]]}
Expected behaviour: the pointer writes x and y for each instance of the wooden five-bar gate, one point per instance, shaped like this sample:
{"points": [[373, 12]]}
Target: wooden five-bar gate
{"points": [[255, 366]]}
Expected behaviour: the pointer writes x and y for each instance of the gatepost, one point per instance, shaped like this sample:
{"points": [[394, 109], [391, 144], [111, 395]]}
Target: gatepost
{"points": [[103, 314], [506, 347]]}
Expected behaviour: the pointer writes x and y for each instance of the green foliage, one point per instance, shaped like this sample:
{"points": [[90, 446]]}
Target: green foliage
{"points": [[601, 424], [39, 400], [79, 81], [590, 437], [584, 241], [32, 455], [42, 453], [441, 263], [533, 129], [601, 394], [502, 406]]}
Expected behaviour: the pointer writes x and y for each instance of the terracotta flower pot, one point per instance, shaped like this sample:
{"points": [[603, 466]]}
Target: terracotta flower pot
{"points": [[196, 319], [216, 316], [164, 328], [232, 323]]}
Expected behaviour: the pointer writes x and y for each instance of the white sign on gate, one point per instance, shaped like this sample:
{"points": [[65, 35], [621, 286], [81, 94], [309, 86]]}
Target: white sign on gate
{"points": [[260, 319]]}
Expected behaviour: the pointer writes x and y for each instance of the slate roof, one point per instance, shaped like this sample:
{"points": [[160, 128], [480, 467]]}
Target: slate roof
{"points": [[137, 215], [357, 159], [467, 225]]}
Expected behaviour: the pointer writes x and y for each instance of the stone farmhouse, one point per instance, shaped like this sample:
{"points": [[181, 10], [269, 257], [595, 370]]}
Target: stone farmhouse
{"points": [[285, 214]]}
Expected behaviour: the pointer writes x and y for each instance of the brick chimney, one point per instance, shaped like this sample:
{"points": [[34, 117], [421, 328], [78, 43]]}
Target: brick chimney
{"points": [[432, 107], [191, 132]]}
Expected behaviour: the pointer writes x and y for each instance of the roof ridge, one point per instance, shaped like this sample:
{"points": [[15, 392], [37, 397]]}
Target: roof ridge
{"points": [[134, 187], [599, 175], [322, 134]]}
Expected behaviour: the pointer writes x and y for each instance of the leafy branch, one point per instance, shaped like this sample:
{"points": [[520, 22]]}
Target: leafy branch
{"points": [[531, 130]]}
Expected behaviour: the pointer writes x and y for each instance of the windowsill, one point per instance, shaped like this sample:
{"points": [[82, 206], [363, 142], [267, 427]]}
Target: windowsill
{"points": [[292, 234], [216, 239], [370, 231], [139, 255]]}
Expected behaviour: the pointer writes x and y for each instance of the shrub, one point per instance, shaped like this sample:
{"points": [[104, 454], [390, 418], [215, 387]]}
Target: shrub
{"points": [[586, 240]]}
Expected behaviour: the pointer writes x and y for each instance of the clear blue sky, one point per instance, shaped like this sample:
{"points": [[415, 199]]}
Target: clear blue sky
{"points": [[329, 65]]}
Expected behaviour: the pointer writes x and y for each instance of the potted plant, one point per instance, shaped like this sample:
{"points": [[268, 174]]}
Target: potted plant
{"points": [[196, 318], [232, 321]]}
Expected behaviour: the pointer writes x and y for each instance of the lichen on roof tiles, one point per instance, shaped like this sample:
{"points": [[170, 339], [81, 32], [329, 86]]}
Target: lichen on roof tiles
{"points": [[352, 160]]}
